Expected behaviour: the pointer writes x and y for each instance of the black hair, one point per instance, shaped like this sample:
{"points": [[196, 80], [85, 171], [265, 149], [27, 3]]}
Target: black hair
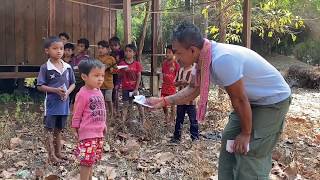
{"points": [[65, 35], [131, 46], [69, 46], [84, 41], [85, 66], [169, 47], [114, 39], [188, 35], [50, 40], [103, 43]]}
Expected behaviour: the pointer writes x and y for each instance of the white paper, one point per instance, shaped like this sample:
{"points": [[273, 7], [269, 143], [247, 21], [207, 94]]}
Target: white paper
{"points": [[229, 146], [141, 99], [122, 66]]}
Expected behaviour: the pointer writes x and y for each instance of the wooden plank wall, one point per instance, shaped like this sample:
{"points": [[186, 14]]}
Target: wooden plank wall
{"points": [[24, 26], [81, 21]]}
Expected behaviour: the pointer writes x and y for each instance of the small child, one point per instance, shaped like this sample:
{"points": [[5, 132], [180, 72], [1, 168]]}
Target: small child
{"points": [[130, 78], [68, 52], [111, 65], [118, 54], [56, 79], [82, 54], [89, 119], [183, 80], [64, 37], [170, 69]]}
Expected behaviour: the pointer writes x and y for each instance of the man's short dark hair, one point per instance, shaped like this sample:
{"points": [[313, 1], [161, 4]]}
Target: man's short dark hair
{"points": [[50, 40], [169, 47], [103, 43], [114, 39], [85, 66], [69, 46], [84, 41], [64, 34], [188, 35], [131, 46]]}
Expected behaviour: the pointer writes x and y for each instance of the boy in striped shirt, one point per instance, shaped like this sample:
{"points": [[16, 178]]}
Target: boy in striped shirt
{"points": [[183, 80]]}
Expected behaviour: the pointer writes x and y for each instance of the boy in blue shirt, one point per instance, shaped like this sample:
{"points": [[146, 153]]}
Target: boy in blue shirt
{"points": [[56, 79]]}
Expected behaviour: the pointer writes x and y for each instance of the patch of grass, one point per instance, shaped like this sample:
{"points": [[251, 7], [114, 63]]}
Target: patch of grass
{"points": [[14, 97]]}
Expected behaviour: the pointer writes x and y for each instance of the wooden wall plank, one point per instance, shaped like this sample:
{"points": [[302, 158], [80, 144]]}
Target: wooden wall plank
{"points": [[91, 28], [75, 21], [83, 20], [2, 35], [105, 22], [20, 30], [41, 30], [68, 19], [9, 32], [60, 16], [30, 32]]}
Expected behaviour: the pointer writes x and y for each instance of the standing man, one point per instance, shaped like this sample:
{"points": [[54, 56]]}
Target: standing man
{"points": [[259, 94]]}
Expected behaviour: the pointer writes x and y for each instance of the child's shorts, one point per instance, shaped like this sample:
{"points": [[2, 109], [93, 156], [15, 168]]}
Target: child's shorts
{"points": [[89, 151], [107, 94], [55, 121], [126, 95]]}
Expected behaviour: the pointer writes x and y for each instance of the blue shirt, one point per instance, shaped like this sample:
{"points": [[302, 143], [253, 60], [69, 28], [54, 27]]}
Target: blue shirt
{"points": [[50, 76], [263, 83]]}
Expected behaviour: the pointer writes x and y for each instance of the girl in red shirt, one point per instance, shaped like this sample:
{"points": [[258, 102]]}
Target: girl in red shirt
{"points": [[170, 69], [130, 79]]}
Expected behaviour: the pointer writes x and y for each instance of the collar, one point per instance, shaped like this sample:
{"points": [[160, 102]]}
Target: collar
{"points": [[50, 66]]}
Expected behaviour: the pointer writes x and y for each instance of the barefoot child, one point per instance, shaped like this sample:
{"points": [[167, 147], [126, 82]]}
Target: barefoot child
{"points": [[170, 69], [111, 65], [56, 79], [130, 78], [118, 54], [183, 80], [89, 119]]}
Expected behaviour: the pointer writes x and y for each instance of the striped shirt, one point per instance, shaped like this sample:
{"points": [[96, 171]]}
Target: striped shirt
{"points": [[185, 74]]}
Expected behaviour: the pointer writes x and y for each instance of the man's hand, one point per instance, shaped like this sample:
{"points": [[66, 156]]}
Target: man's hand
{"points": [[155, 102], [241, 143]]}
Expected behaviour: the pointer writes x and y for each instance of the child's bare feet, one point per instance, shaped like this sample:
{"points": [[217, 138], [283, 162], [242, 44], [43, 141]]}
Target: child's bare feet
{"points": [[62, 157], [54, 160]]}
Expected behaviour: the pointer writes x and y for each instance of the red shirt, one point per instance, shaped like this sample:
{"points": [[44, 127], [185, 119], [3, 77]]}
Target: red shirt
{"points": [[169, 70], [129, 76]]}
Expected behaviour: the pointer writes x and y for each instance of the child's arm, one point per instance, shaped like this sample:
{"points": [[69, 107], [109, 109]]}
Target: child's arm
{"points": [[78, 109], [60, 91], [137, 84]]}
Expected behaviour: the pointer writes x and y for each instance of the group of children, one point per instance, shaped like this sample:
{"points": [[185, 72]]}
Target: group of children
{"points": [[96, 84]]}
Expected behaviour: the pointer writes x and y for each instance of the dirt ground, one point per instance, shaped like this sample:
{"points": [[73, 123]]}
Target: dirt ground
{"points": [[134, 153]]}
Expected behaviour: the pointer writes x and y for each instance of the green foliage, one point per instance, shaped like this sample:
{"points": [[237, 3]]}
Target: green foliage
{"points": [[14, 97], [270, 19], [308, 52]]}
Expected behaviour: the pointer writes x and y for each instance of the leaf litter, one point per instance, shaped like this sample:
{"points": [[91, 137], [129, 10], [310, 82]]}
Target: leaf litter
{"points": [[132, 152]]}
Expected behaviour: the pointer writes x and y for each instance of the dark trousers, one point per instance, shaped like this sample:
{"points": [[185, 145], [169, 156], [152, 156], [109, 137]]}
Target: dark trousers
{"points": [[191, 111]]}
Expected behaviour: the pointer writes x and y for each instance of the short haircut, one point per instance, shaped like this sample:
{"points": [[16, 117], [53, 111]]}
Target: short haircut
{"points": [[188, 34], [131, 46], [69, 46], [169, 47], [65, 35], [103, 43], [50, 40], [114, 39], [85, 66], [84, 41]]}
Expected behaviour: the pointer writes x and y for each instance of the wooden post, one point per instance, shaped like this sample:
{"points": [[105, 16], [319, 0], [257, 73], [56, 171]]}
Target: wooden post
{"points": [[154, 81], [127, 21], [52, 18], [247, 23]]}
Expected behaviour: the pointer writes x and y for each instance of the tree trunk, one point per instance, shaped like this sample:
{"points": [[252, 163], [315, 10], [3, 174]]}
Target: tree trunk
{"points": [[222, 23], [144, 30]]}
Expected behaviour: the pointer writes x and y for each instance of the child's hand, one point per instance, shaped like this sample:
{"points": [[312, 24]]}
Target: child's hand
{"points": [[105, 131], [75, 133], [61, 92], [135, 92]]}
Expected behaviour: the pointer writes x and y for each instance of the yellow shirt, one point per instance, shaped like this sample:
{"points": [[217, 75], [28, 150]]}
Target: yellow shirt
{"points": [[111, 64]]}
